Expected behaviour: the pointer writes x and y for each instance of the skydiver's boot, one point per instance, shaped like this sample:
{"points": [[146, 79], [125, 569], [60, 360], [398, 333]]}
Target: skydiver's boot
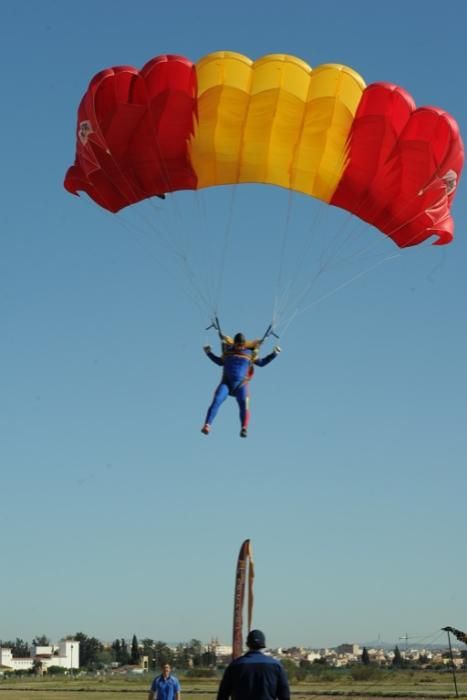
{"points": [[243, 432], [206, 429]]}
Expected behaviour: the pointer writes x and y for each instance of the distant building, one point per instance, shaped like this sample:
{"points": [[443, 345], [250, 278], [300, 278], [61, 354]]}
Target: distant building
{"points": [[220, 650], [64, 655], [353, 649]]}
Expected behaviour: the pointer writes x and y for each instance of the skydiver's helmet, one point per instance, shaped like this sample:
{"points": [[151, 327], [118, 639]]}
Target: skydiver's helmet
{"points": [[239, 339]]}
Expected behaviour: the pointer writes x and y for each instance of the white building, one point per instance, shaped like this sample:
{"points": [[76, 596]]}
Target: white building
{"points": [[65, 655], [218, 648]]}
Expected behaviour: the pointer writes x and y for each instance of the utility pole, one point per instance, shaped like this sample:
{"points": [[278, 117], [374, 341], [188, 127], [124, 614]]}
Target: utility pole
{"points": [[453, 666], [406, 638]]}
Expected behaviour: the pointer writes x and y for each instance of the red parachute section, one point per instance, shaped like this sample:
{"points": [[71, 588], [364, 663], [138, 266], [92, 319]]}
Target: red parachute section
{"points": [[133, 127], [403, 165]]}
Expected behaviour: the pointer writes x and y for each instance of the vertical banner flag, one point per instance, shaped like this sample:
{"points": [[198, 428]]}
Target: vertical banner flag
{"points": [[461, 636], [245, 568]]}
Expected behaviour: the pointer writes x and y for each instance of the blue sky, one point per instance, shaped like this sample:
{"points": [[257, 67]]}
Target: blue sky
{"points": [[118, 516]]}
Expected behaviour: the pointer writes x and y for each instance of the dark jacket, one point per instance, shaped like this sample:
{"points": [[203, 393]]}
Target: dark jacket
{"points": [[254, 676]]}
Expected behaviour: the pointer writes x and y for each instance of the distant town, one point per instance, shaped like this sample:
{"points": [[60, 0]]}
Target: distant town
{"points": [[81, 654]]}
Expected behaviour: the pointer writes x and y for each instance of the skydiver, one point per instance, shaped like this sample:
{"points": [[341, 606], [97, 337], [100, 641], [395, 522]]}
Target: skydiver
{"points": [[238, 359]]}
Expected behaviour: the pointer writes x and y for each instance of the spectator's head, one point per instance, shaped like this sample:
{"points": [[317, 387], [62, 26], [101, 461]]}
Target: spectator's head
{"points": [[256, 639]]}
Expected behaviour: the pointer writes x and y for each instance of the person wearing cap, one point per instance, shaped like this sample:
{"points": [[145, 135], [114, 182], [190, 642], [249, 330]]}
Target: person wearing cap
{"points": [[165, 686], [254, 676], [238, 359]]}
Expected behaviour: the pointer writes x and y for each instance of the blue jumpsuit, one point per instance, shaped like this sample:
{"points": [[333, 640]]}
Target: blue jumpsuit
{"points": [[238, 370]]}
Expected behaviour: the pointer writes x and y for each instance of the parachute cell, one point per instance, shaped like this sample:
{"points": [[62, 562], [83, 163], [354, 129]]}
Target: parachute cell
{"points": [[133, 129], [399, 159], [176, 125]]}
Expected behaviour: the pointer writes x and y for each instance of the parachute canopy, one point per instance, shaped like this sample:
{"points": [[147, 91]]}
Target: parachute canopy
{"points": [[178, 125]]}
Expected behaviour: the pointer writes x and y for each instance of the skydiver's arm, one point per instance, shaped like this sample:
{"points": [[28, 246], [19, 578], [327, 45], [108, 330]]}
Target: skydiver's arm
{"points": [[262, 361], [215, 358]]}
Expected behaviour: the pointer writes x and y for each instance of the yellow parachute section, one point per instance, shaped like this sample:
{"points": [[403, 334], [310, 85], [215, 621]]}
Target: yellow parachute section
{"points": [[303, 147]]}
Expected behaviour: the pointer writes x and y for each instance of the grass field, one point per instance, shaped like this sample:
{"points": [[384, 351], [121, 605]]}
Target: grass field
{"points": [[393, 685]]}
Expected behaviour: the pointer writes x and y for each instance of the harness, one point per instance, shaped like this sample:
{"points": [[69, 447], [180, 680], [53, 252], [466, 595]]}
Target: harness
{"points": [[228, 350], [228, 344]]}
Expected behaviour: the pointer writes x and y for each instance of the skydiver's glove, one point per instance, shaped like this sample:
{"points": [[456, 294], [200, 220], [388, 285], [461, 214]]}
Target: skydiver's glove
{"points": [[277, 350], [207, 348]]}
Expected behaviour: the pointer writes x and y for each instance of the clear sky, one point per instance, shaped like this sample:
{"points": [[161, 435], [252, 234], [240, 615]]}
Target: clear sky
{"points": [[118, 516]]}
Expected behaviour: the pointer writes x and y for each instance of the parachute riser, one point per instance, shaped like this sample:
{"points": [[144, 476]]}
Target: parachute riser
{"points": [[215, 323], [269, 331]]}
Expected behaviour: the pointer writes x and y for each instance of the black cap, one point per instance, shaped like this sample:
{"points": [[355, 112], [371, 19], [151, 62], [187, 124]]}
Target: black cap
{"points": [[256, 639], [239, 338]]}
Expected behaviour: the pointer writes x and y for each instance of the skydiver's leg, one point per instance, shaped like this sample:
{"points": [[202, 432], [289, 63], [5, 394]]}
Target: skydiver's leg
{"points": [[243, 399], [220, 396]]}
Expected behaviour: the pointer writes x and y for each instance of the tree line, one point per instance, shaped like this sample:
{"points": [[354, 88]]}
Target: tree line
{"points": [[95, 655]]}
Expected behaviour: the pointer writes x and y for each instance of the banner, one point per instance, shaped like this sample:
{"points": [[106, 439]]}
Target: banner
{"points": [[461, 636], [245, 569]]}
